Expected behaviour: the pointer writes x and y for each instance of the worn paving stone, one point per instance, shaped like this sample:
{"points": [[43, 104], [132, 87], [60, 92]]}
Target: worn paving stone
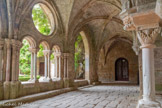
{"points": [[93, 97]]}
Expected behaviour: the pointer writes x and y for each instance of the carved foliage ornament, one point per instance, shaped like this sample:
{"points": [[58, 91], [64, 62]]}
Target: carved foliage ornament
{"points": [[128, 23], [148, 37]]}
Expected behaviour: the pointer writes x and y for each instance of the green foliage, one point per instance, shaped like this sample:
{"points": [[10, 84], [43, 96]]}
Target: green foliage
{"points": [[26, 78], [40, 53], [25, 58], [78, 51], [40, 20]]}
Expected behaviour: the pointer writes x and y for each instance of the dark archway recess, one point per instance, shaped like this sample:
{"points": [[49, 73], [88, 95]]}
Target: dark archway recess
{"points": [[121, 70]]}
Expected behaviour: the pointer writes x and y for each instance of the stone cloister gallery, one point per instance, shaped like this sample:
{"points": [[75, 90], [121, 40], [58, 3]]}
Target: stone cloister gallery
{"points": [[119, 43]]}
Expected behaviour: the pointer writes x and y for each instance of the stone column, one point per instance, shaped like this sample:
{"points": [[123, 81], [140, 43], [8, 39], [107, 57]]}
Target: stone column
{"points": [[16, 45], [8, 65], [49, 65], [66, 74], [57, 57], [1, 68], [13, 78], [55, 73], [46, 78], [17, 60], [65, 66], [35, 64], [8, 70], [147, 38], [1, 60], [46, 64], [32, 66], [60, 67]]}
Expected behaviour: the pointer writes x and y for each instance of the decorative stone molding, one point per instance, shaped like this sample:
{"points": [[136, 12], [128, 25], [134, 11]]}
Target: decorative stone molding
{"points": [[33, 50], [136, 46], [16, 43], [2, 41], [58, 54], [47, 52], [128, 23], [136, 49], [148, 37], [66, 55]]}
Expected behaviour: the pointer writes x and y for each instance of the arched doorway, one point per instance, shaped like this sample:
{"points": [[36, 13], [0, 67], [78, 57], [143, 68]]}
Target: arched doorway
{"points": [[121, 70]]}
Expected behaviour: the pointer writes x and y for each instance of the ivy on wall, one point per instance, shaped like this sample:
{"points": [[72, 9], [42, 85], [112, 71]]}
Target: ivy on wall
{"points": [[79, 57]]}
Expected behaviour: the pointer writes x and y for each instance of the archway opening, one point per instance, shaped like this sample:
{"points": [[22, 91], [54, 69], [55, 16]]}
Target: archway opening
{"points": [[121, 70], [44, 62], [26, 60], [56, 63], [81, 57]]}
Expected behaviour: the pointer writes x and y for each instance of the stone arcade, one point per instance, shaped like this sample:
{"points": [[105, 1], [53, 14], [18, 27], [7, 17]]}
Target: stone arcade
{"points": [[122, 45]]}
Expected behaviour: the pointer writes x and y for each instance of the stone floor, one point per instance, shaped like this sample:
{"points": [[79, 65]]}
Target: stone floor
{"points": [[93, 97]]}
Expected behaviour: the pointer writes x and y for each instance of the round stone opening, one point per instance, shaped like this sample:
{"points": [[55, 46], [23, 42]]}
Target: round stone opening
{"points": [[43, 19]]}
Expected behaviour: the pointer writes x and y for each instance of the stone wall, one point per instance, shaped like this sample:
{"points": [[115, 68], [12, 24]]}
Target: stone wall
{"points": [[121, 49], [158, 68]]}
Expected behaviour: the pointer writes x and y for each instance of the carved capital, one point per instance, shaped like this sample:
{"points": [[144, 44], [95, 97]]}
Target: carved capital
{"points": [[58, 54], [8, 43], [128, 23], [136, 49], [47, 52], [147, 37], [1, 44], [33, 50], [66, 55], [16, 44]]}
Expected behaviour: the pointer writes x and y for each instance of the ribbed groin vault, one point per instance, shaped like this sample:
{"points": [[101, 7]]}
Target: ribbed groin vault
{"points": [[49, 45]]}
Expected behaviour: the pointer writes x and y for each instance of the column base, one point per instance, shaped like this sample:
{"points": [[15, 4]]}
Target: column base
{"points": [[33, 81], [56, 79], [14, 93], [44, 79], [66, 83], [148, 104], [11, 90], [6, 90], [1, 90]]}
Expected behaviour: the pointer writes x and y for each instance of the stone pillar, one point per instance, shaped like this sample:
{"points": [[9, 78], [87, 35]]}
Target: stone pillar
{"points": [[8, 65], [1, 69], [13, 78], [55, 73], [14, 87], [57, 57], [47, 77], [1, 60], [60, 67], [146, 21], [65, 66], [66, 76], [35, 64], [46, 64], [147, 38], [140, 73], [32, 66], [17, 60], [49, 65], [11, 85], [8, 70]]}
